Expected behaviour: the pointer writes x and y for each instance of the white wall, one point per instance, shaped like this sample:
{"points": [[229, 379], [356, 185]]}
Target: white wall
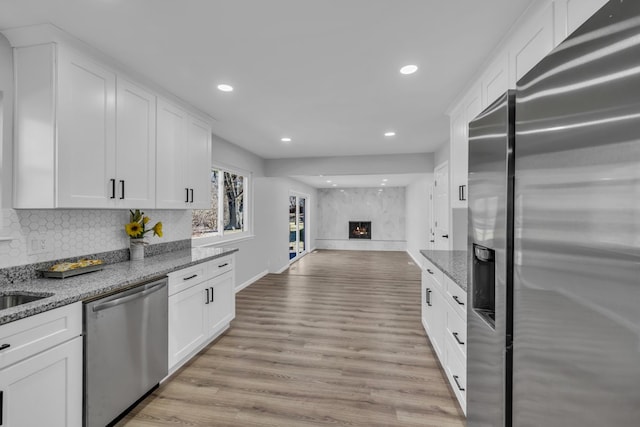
{"points": [[268, 249], [418, 216], [351, 165], [385, 208]]}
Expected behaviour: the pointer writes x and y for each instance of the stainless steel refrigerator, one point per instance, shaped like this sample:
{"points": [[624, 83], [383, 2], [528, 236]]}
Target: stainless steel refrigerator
{"points": [[554, 237]]}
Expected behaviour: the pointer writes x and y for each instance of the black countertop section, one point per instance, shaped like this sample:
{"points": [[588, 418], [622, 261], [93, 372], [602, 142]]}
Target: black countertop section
{"points": [[112, 278], [452, 263]]}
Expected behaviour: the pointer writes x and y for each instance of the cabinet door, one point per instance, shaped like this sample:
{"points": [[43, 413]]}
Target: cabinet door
{"points": [[435, 315], [187, 322], [86, 132], [44, 390], [532, 43], [199, 164], [441, 206], [222, 306], [171, 189], [136, 146]]}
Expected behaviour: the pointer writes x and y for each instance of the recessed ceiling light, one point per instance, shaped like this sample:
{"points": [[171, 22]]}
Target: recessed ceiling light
{"points": [[391, 133], [385, 180], [409, 69], [328, 181], [285, 139], [225, 87], [383, 184], [334, 185]]}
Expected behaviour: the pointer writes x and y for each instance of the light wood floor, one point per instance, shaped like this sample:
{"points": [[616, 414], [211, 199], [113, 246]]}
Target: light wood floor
{"points": [[336, 340]]}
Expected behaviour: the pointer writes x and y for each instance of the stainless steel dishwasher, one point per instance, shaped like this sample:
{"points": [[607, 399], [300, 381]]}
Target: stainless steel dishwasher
{"points": [[125, 349]]}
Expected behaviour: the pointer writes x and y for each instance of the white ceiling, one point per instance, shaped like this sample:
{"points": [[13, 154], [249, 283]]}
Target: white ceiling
{"points": [[359, 181], [323, 72]]}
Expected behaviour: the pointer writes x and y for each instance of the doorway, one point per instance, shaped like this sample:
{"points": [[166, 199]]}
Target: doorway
{"points": [[297, 226]]}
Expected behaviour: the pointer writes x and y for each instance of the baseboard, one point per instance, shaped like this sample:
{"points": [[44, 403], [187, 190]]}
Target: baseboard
{"points": [[418, 262], [251, 281], [283, 269]]}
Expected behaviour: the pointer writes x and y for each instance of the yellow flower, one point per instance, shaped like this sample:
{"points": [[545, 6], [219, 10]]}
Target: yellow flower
{"points": [[145, 220], [157, 229], [133, 229]]}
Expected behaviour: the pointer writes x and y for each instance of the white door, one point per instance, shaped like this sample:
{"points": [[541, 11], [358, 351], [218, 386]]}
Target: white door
{"points": [[171, 190], [44, 390], [441, 206], [199, 164], [86, 133], [135, 147], [187, 322]]}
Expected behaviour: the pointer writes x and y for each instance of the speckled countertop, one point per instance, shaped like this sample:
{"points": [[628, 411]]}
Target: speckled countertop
{"points": [[112, 278], [452, 263]]}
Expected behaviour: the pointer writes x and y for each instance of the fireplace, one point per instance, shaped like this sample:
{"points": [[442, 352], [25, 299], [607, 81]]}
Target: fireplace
{"points": [[360, 230]]}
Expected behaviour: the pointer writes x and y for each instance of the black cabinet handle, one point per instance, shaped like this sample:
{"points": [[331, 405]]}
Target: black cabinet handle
{"points": [[429, 271], [113, 188], [427, 297], [191, 191], [207, 302], [462, 192], [1, 406], [445, 236], [190, 277], [455, 335], [4, 346], [432, 241], [456, 299], [122, 189], [212, 295], [187, 199], [455, 378], [223, 265]]}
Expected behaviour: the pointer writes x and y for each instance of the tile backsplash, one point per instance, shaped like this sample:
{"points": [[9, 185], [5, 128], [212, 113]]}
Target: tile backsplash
{"points": [[76, 232]]}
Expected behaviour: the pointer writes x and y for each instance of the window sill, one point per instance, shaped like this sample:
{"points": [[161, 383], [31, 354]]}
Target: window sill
{"points": [[219, 241]]}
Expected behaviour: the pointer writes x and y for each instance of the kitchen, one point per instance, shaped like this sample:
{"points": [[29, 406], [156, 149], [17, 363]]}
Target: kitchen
{"points": [[543, 25]]}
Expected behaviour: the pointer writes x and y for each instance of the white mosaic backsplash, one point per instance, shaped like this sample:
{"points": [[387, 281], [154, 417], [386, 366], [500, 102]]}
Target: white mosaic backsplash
{"points": [[72, 233]]}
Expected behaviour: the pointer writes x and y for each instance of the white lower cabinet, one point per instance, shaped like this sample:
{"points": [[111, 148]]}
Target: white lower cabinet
{"points": [[444, 320], [44, 386], [201, 306]]}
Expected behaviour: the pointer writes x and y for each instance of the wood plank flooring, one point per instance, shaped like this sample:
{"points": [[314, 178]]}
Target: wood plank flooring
{"points": [[335, 340]]}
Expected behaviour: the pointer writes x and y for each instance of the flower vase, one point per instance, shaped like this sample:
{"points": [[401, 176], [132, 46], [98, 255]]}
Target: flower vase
{"points": [[136, 249]]}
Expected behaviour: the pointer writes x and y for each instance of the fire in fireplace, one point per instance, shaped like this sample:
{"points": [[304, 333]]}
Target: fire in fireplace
{"points": [[360, 230]]}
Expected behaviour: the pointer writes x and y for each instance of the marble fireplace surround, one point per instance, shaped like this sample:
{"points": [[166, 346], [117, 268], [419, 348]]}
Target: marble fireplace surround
{"points": [[384, 209]]}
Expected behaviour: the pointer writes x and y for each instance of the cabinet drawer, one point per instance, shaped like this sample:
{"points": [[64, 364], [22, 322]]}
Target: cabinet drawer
{"points": [[180, 280], [432, 271], [456, 368], [457, 331], [31, 335], [220, 266], [457, 297]]}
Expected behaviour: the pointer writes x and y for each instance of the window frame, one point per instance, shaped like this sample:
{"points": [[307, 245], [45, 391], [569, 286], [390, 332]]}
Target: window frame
{"points": [[220, 237]]}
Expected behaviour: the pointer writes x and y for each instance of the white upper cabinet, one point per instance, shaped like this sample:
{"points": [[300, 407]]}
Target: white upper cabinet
{"points": [[87, 136], [86, 125], [199, 164], [135, 146], [495, 81], [183, 159], [171, 191], [532, 42]]}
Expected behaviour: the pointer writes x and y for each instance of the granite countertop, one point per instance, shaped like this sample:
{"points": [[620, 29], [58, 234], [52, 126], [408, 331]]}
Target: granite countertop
{"points": [[112, 278], [452, 263]]}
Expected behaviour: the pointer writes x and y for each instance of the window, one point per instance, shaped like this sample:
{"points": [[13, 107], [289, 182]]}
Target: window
{"points": [[229, 207]]}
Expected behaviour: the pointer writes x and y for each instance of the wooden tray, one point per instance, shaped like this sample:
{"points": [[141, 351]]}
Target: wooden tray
{"points": [[70, 273]]}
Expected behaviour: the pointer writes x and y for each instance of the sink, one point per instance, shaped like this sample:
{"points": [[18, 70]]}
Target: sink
{"points": [[14, 299]]}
